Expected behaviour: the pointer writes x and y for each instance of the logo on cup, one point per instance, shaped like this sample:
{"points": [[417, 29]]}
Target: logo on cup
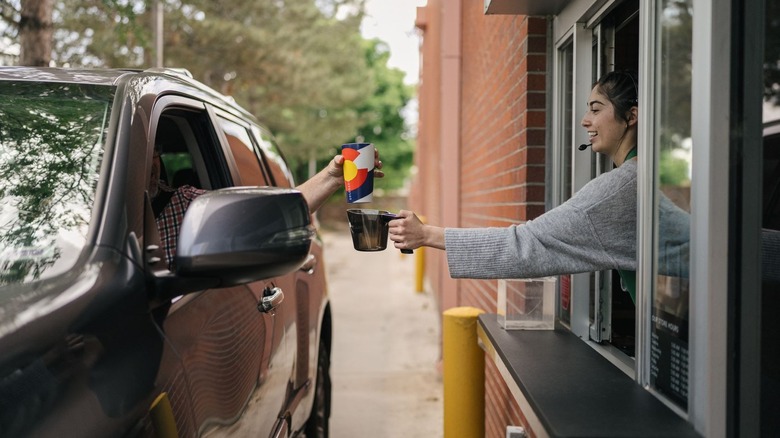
{"points": [[358, 171]]}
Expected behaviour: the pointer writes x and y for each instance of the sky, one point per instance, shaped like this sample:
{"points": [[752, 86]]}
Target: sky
{"points": [[392, 21]]}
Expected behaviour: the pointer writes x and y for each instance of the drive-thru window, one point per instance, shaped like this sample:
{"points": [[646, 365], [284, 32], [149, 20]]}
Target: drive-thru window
{"points": [[700, 336], [672, 353]]}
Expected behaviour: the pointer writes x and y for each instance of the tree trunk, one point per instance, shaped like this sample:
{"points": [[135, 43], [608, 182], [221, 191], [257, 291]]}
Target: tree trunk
{"points": [[35, 32]]}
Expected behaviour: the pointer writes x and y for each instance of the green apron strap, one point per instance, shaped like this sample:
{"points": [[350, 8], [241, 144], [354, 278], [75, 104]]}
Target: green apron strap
{"points": [[628, 283]]}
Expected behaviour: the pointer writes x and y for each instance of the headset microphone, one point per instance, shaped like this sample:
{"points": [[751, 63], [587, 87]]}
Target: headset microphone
{"points": [[584, 146]]}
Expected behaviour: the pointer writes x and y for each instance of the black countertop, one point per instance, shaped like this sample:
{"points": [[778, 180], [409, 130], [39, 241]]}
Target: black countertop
{"points": [[576, 392]]}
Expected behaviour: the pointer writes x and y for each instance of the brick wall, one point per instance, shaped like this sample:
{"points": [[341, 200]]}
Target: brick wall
{"points": [[501, 408], [503, 127], [503, 149], [502, 117]]}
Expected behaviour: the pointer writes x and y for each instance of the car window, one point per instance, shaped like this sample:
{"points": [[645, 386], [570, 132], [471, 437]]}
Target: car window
{"points": [[249, 168], [273, 158], [51, 148], [191, 162]]}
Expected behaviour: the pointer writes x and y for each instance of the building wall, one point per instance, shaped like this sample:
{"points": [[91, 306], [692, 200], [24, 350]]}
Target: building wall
{"points": [[503, 127], [425, 194], [500, 146], [501, 408]]}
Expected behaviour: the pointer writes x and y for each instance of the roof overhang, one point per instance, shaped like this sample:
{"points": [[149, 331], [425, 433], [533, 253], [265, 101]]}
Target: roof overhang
{"points": [[524, 7]]}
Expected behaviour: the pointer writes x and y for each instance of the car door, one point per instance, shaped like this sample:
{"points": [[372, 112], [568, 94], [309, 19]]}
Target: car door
{"points": [[222, 340], [274, 391], [310, 289]]}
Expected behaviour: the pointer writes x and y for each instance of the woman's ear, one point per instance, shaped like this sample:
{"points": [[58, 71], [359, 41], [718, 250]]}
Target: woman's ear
{"points": [[633, 116]]}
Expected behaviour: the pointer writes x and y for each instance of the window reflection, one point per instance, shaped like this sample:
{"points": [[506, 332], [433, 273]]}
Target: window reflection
{"points": [[50, 153], [669, 314], [273, 158]]}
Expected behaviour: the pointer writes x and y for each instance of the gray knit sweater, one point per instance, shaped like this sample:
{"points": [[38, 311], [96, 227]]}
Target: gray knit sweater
{"points": [[594, 230]]}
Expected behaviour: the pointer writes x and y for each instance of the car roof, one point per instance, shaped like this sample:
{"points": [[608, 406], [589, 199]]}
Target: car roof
{"points": [[92, 76], [76, 76], [113, 77]]}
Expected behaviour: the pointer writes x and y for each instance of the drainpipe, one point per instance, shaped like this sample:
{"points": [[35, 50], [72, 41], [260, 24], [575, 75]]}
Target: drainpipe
{"points": [[450, 133]]}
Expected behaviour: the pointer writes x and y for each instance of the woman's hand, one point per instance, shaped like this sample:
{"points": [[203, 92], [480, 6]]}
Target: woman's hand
{"points": [[407, 231]]}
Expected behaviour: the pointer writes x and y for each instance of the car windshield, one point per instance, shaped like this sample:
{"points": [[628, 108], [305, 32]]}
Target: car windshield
{"points": [[51, 146]]}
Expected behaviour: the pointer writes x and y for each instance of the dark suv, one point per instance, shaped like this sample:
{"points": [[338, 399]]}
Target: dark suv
{"points": [[99, 337]]}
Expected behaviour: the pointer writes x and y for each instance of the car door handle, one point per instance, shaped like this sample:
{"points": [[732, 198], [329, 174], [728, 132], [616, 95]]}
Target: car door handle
{"points": [[272, 298], [309, 265]]}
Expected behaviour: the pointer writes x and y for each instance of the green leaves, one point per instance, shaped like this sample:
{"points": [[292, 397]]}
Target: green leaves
{"points": [[383, 123], [301, 66]]}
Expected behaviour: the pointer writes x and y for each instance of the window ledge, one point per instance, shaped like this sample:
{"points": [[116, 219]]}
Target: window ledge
{"points": [[567, 389]]}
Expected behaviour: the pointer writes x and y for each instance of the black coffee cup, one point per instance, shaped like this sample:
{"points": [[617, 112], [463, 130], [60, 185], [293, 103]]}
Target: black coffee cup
{"points": [[369, 229]]}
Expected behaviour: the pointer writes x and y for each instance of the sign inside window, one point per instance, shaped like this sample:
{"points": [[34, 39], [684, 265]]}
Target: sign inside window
{"points": [[669, 342]]}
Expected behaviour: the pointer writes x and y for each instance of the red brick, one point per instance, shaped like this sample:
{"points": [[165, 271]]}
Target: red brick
{"points": [[537, 63], [537, 44], [537, 26], [502, 148], [536, 119]]}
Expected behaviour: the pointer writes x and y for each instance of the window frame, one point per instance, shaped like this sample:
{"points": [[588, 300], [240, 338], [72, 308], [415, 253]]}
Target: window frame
{"points": [[725, 51], [585, 167], [580, 33], [251, 146]]}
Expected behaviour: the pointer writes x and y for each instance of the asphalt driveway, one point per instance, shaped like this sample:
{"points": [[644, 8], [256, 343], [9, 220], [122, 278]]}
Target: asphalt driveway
{"points": [[386, 345]]}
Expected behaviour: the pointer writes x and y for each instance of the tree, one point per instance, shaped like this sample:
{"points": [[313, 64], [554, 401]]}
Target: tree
{"points": [[385, 124], [30, 23], [301, 66], [103, 33], [676, 70], [296, 64], [382, 120]]}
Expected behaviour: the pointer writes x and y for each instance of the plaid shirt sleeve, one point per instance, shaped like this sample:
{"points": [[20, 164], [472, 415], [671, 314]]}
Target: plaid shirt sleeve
{"points": [[170, 219]]}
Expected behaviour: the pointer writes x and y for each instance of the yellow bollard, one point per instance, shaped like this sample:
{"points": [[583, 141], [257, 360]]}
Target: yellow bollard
{"points": [[464, 374], [420, 271], [161, 414], [419, 274]]}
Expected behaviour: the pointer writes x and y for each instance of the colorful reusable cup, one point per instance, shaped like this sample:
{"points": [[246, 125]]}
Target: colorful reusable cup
{"points": [[358, 171]]}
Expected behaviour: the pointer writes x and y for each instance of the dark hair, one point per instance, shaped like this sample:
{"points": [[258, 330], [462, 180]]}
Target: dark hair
{"points": [[620, 87]]}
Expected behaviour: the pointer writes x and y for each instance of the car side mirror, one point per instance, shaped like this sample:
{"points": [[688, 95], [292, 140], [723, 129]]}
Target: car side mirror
{"points": [[238, 235]]}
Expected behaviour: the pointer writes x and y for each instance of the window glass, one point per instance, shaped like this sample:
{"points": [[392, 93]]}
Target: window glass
{"points": [[273, 158], [244, 154], [51, 146], [566, 85], [669, 313], [178, 169]]}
